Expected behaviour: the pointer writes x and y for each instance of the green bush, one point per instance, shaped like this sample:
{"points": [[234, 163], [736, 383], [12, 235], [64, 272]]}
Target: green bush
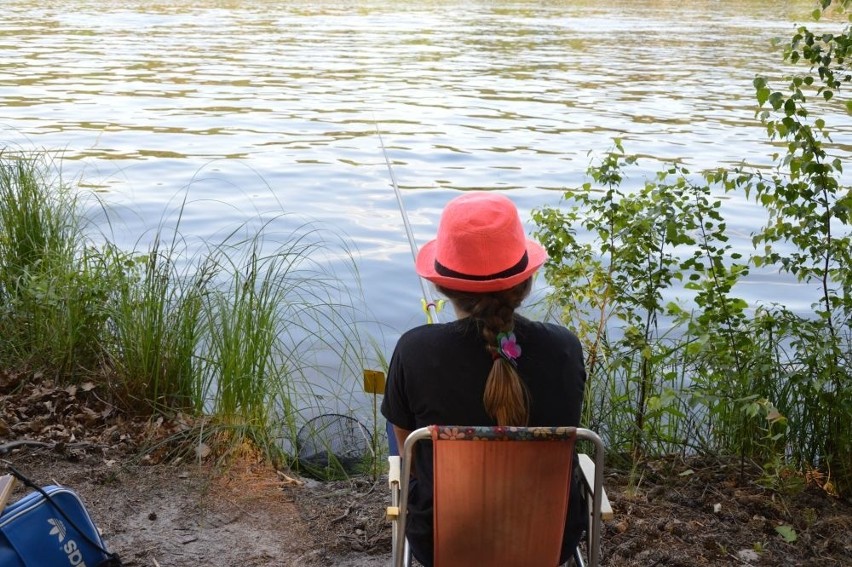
{"points": [[714, 373]]}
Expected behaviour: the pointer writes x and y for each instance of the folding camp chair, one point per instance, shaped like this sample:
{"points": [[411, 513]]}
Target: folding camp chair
{"points": [[500, 494]]}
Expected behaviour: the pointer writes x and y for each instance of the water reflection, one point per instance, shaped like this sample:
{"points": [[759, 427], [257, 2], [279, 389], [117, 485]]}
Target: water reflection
{"points": [[263, 106]]}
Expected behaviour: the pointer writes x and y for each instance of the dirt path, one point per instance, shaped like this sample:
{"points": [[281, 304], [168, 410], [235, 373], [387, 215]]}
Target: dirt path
{"points": [[251, 515], [155, 511], [189, 515]]}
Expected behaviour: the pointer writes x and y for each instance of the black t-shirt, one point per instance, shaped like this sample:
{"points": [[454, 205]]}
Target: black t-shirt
{"points": [[437, 375]]}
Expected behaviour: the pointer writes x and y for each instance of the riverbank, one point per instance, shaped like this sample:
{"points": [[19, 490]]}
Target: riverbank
{"points": [[158, 509]]}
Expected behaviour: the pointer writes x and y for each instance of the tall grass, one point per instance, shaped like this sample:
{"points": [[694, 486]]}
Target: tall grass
{"points": [[155, 329], [241, 373], [264, 329], [52, 283], [247, 338]]}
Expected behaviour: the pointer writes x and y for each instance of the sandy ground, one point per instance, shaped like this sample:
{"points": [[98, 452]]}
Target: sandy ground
{"points": [[157, 510], [252, 515], [190, 515]]}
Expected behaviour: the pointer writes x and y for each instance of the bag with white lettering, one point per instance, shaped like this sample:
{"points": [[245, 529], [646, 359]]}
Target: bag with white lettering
{"points": [[51, 527]]}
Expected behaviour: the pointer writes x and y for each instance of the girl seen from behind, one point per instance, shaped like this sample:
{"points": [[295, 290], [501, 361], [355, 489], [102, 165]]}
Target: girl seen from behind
{"points": [[490, 366]]}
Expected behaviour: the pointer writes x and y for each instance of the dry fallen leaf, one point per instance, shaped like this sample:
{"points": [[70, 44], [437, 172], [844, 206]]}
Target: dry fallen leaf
{"points": [[203, 450]]}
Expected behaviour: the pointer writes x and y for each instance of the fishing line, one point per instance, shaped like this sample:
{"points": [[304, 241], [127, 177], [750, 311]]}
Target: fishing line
{"points": [[430, 306]]}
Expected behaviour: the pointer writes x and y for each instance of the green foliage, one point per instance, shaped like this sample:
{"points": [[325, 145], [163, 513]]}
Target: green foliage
{"points": [[154, 329], [230, 339], [710, 372], [787, 533], [810, 209], [644, 242], [52, 286]]}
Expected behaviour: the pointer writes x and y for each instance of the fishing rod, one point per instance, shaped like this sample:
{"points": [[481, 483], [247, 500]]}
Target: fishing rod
{"points": [[430, 306]]}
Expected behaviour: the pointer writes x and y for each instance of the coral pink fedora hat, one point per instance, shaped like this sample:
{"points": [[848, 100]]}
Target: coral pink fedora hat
{"points": [[480, 247]]}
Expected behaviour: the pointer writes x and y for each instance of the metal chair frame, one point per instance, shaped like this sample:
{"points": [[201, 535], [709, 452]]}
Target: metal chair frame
{"points": [[400, 474]]}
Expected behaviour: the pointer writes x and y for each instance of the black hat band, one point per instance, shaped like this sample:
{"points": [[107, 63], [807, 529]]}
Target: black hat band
{"points": [[509, 272]]}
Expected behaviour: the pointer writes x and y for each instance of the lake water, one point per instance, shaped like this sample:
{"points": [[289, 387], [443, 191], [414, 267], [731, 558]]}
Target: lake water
{"points": [[250, 108]]}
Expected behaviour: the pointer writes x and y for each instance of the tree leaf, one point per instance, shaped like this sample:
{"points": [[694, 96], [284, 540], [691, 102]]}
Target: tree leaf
{"points": [[790, 106], [787, 533]]}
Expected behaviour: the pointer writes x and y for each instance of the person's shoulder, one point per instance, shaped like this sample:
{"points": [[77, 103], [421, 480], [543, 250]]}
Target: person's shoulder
{"points": [[545, 330], [427, 332]]}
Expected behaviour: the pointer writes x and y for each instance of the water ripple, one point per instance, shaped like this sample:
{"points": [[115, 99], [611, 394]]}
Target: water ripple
{"points": [[254, 106]]}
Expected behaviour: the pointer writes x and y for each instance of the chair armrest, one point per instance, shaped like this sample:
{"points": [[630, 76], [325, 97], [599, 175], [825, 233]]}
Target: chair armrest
{"points": [[392, 512], [394, 465], [587, 468]]}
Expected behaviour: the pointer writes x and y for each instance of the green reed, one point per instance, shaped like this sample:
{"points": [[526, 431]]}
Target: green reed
{"points": [[52, 283], [264, 329], [155, 329], [244, 339]]}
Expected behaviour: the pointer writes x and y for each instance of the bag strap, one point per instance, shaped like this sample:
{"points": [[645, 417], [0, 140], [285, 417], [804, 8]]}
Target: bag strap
{"points": [[112, 559]]}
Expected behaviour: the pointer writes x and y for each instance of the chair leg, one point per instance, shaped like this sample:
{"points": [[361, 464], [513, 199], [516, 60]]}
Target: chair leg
{"points": [[407, 554], [578, 558]]}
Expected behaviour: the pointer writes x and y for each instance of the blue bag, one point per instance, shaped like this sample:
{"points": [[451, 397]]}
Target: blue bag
{"points": [[51, 528]]}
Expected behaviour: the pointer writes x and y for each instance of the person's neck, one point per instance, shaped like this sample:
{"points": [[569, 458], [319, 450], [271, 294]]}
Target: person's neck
{"points": [[460, 313]]}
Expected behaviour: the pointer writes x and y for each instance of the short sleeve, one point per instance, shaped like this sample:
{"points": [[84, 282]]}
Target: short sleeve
{"points": [[395, 406]]}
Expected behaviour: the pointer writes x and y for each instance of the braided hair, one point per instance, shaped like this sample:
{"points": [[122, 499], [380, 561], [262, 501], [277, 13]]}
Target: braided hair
{"points": [[506, 398]]}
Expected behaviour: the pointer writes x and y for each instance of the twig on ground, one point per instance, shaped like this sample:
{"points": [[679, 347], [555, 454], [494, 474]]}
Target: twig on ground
{"points": [[344, 514]]}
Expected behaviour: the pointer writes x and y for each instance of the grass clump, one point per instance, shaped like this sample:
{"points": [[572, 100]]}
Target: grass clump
{"points": [[53, 285], [155, 331], [237, 342]]}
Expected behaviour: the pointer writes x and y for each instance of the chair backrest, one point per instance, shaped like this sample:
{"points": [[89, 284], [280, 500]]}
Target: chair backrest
{"points": [[479, 484], [501, 494]]}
